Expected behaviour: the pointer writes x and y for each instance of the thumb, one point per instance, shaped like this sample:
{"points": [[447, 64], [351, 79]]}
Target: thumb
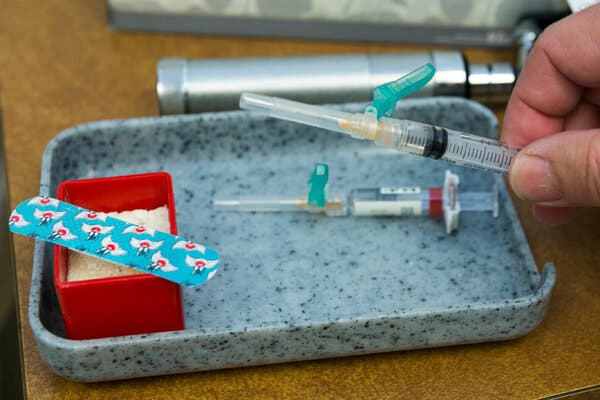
{"points": [[559, 170]]}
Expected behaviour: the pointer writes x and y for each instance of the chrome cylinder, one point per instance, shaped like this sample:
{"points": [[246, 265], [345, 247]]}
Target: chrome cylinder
{"points": [[491, 83], [191, 86]]}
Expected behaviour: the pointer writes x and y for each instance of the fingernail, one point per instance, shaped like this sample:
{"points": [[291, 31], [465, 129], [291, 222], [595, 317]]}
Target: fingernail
{"points": [[531, 178]]}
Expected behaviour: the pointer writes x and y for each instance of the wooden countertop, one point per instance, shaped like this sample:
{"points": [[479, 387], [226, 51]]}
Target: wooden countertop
{"points": [[61, 65]]}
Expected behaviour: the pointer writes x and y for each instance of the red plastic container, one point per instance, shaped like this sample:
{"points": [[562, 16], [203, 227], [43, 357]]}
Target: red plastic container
{"points": [[124, 305]]}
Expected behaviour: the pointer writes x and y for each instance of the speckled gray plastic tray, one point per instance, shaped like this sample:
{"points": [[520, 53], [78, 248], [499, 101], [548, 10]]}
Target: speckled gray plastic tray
{"points": [[298, 286]]}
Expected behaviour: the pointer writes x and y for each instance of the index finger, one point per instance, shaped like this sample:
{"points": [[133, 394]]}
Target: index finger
{"points": [[564, 61]]}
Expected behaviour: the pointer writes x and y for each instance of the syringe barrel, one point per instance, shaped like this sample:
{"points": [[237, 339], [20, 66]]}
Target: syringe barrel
{"points": [[478, 152], [396, 201], [435, 142], [477, 201]]}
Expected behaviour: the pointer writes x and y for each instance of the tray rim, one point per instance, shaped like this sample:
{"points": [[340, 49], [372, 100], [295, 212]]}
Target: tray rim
{"points": [[45, 339]]}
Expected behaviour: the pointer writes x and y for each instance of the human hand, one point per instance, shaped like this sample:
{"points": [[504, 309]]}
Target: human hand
{"points": [[553, 115]]}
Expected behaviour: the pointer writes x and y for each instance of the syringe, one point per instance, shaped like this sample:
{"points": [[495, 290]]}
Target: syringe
{"points": [[400, 134], [402, 201]]}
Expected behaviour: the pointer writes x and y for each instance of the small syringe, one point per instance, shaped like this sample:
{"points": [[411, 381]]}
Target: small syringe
{"points": [[400, 134], [402, 201]]}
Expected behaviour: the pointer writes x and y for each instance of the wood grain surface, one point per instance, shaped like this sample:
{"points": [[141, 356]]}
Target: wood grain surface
{"points": [[61, 65]]}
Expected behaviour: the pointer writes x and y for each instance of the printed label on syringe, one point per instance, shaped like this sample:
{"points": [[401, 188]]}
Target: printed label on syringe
{"points": [[387, 208], [400, 190], [387, 201]]}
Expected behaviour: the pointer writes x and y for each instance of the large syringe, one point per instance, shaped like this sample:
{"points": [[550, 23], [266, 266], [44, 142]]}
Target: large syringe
{"points": [[400, 134]]}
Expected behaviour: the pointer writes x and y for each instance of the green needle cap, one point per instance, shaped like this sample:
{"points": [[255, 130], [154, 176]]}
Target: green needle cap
{"points": [[317, 194], [387, 95]]}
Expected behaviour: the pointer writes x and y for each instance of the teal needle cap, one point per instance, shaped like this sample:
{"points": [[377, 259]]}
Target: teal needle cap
{"points": [[317, 194], [387, 95]]}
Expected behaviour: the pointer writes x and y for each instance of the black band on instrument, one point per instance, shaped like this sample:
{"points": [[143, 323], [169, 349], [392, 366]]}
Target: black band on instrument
{"points": [[437, 146]]}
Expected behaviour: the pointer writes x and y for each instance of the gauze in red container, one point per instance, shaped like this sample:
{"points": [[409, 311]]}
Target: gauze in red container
{"points": [[120, 305]]}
